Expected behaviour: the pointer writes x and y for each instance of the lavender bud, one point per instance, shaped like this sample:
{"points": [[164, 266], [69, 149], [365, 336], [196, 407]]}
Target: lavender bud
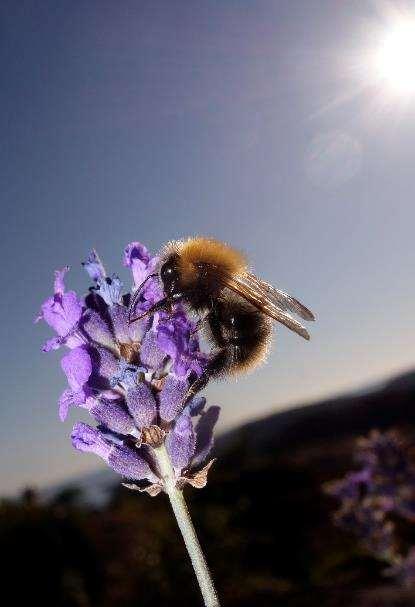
{"points": [[142, 404]]}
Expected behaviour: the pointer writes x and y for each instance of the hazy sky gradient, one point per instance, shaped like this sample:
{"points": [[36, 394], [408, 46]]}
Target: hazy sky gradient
{"points": [[238, 119]]}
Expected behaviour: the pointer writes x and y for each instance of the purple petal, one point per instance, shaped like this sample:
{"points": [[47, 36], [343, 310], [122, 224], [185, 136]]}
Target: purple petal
{"points": [[142, 405], [62, 312], [88, 439], [173, 334], [65, 401], [71, 398], [187, 363], [77, 367], [180, 442], [54, 343], [174, 337], [204, 435], [153, 291], [150, 294], [110, 289], [135, 251], [93, 265], [59, 284], [172, 396], [138, 258]]}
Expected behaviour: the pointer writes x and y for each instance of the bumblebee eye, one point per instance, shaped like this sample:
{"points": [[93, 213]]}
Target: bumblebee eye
{"points": [[166, 271], [169, 276]]}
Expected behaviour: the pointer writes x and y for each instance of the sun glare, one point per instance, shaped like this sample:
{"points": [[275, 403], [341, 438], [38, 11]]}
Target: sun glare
{"points": [[395, 58]]}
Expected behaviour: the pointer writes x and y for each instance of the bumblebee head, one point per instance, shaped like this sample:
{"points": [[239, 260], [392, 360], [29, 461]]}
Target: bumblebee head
{"points": [[170, 276]]}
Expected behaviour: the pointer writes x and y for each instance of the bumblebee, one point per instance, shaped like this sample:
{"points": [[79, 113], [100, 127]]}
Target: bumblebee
{"points": [[236, 307]]}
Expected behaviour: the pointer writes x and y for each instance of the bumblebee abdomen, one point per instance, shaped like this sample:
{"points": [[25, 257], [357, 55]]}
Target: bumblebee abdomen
{"points": [[242, 332]]}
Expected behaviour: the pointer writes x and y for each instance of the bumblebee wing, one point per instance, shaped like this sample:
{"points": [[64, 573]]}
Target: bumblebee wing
{"points": [[281, 299], [269, 301]]}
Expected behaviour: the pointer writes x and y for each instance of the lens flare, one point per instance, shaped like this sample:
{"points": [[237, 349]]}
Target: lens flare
{"points": [[395, 58]]}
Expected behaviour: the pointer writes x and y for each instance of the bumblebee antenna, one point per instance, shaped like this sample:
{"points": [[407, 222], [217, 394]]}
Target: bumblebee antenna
{"points": [[135, 297]]}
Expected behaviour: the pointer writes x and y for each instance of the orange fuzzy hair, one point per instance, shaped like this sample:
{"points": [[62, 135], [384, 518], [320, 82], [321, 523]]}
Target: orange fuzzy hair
{"points": [[210, 251]]}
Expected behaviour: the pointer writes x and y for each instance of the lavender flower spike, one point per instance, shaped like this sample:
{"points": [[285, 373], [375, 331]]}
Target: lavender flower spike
{"points": [[374, 498], [133, 379]]}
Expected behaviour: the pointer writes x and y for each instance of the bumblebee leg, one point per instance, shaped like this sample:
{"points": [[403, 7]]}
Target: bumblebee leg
{"points": [[196, 387], [218, 363], [163, 304], [199, 323]]}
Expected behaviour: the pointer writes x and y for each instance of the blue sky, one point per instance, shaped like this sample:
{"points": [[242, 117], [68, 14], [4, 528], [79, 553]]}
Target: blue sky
{"points": [[242, 120]]}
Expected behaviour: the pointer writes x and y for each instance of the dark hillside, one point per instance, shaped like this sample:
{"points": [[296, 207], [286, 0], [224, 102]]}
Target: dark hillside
{"points": [[263, 519]]}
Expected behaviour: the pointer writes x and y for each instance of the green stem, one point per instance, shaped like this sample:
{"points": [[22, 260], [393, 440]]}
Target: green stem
{"points": [[185, 524]]}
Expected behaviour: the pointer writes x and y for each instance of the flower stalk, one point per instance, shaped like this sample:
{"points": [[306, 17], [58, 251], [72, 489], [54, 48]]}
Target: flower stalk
{"points": [[185, 524]]}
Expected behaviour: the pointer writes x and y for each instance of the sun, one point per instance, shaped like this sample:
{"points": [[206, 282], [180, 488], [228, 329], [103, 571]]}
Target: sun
{"points": [[394, 61]]}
